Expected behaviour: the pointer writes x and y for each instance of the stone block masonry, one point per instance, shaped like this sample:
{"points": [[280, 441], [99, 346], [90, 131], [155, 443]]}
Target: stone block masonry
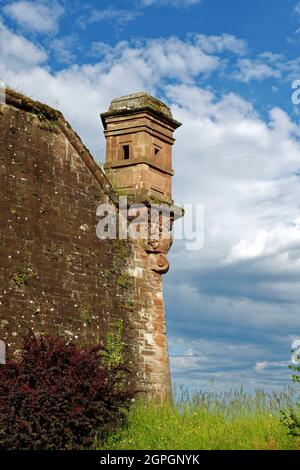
{"points": [[56, 276], [139, 135]]}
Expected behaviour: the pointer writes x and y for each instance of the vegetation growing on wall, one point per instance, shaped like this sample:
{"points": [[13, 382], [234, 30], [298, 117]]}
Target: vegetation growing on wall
{"points": [[113, 354], [20, 279]]}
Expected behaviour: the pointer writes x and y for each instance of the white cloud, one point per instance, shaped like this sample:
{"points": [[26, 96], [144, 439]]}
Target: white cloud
{"points": [[156, 59], [282, 240], [227, 337], [126, 68], [63, 49], [262, 366], [244, 169], [38, 16], [110, 15], [267, 65], [17, 53], [187, 362], [250, 161], [225, 42], [173, 3], [255, 70], [216, 365]]}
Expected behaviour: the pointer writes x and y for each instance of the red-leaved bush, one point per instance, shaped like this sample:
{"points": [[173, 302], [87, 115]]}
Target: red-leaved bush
{"points": [[58, 396]]}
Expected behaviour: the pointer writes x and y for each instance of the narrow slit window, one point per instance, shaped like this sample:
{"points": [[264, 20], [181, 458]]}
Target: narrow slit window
{"points": [[126, 152], [156, 151]]}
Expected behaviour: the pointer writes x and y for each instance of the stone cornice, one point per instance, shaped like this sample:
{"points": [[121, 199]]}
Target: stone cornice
{"points": [[141, 102], [136, 161], [147, 109]]}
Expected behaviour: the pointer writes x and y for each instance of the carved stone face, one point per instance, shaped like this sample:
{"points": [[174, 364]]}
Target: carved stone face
{"points": [[159, 239], [158, 245], [154, 243]]}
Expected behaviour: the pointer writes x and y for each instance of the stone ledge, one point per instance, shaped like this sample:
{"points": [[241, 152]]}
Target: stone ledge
{"points": [[135, 161]]}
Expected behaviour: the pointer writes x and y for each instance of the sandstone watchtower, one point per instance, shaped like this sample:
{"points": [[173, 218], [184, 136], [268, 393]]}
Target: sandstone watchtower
{"points": [[139, 137]]}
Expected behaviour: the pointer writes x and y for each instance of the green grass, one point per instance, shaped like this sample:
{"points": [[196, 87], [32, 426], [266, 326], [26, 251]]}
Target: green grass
{"points": [[208, 421]]}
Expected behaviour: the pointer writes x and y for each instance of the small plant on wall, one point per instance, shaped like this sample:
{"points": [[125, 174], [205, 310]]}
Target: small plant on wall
{"points": [[21, 278], [113, 354]]}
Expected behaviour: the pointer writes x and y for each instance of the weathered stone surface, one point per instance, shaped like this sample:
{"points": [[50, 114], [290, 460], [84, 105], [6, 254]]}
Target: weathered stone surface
{"points": [[139, 137], [56, 276], [136, 102], [139, 134]]}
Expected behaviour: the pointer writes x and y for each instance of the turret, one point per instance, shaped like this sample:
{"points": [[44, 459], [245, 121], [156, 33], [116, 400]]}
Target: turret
{"points": [[139, 137]]}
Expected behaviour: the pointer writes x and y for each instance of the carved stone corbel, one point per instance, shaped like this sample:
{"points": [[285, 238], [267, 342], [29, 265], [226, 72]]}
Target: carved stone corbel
{"points": [[159, 243]]}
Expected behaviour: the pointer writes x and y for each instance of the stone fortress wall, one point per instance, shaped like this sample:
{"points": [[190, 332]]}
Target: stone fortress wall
{"points": [[56, 275]]}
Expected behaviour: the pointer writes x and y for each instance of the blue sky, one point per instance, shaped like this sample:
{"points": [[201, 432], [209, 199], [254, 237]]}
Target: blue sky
{"points": [[226, 68]]}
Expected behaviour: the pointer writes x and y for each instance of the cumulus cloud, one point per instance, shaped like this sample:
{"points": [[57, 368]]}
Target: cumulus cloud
{"points": [[218, 365], [255, 70], [18, 55], [222, 43], [37, 16], [127, 67], [152, 61], [227, 339], [62, 49], [278, 241], [266, 65], [246, 171]]}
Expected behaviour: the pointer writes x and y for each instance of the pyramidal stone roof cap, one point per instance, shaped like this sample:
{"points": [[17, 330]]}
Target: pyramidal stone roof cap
{"points": [[138, 102]]}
